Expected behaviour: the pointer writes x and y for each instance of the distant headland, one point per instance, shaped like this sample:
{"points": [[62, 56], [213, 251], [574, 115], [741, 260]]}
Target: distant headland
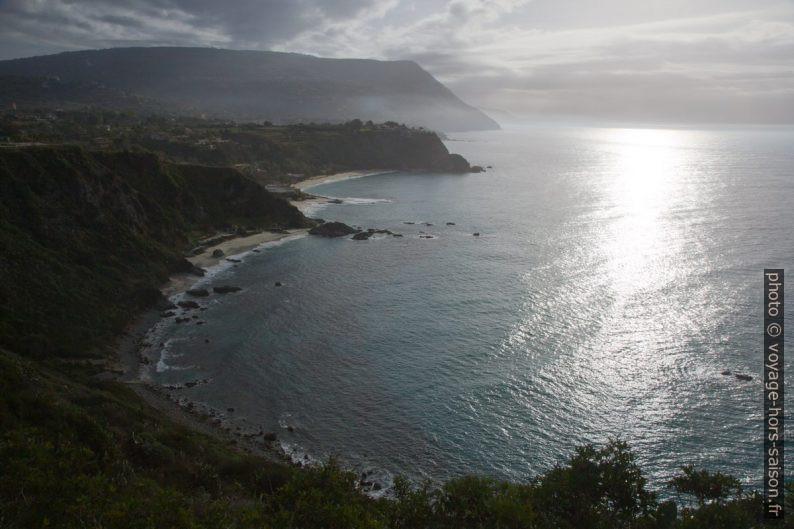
{"points": [[240, 85]]}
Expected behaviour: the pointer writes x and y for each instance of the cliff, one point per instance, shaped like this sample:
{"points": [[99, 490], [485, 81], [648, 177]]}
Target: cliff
{"points": [[314, 149]]}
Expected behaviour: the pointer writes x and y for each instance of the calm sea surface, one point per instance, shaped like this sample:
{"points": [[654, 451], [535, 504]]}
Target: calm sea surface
{"points": [[617, 273]]}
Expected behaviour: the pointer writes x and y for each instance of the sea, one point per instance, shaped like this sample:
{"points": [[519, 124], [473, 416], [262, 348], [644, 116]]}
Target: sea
{"points": [[618, 272]]}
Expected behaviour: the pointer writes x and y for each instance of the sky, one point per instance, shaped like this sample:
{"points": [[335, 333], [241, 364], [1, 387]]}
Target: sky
{"points": [[699, 61]]}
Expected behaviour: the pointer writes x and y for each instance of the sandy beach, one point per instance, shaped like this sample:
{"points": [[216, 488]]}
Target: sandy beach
{"points": [[336, 177], [308, 205], [230, 248]]}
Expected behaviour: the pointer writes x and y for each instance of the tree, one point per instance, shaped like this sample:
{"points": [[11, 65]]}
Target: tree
{"points": [[598, 488], [705, 486]]}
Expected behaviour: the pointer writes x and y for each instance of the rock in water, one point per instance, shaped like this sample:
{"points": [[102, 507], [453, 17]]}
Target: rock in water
{"points": [[198, 292], [333, 229], [363, 236], [743, 377], [187, 304]]}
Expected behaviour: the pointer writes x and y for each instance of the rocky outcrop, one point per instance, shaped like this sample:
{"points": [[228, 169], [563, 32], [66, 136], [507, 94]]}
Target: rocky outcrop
{"points": [[183, 266], [333, 229], [163, 303], [364, 235]]}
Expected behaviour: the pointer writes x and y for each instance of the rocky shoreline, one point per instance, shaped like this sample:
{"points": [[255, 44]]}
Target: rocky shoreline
{"points": [[135, 343], [196, 416]]}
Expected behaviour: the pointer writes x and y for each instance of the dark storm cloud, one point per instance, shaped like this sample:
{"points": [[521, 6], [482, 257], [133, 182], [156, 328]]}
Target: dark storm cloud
{"points": [[57, 25]]}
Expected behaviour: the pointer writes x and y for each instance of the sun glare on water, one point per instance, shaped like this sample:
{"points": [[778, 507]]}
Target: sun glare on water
{"points": [[647, 183]]}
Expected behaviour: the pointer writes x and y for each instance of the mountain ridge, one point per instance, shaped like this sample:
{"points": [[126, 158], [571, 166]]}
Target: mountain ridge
{"points": [[248, 85]]}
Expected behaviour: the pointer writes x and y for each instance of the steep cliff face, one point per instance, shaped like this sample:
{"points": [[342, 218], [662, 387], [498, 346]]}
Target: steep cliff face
{"points": [[260, 85], [85, 238], [317, 149], [397, 148]]}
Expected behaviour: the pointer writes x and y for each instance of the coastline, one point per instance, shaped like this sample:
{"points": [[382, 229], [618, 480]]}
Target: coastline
{"points": [[238, 245], [134, 341], [336, 177], [232, 248]]}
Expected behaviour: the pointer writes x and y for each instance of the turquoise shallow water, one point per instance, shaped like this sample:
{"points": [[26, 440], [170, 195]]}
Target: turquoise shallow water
{"points": [[618, 272]]}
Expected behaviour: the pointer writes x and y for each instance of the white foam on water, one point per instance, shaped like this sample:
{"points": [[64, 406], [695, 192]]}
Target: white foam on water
{"points": [[166, 354]]}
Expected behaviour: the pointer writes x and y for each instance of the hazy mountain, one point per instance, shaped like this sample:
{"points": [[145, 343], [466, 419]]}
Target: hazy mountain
{"points": [[46, 92], [260, 85]]}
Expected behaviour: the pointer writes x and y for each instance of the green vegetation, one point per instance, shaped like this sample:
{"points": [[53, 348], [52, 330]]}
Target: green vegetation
{"points": [[265, 152]]}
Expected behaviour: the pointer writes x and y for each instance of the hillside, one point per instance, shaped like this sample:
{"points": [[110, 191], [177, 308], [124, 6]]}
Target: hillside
{"points": [[43, 92], [259, 85], [87, 238], [268, 153]]}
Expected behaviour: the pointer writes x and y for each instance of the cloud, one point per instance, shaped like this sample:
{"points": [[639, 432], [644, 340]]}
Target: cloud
{"points": [[728, 60], [66, 24]]}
